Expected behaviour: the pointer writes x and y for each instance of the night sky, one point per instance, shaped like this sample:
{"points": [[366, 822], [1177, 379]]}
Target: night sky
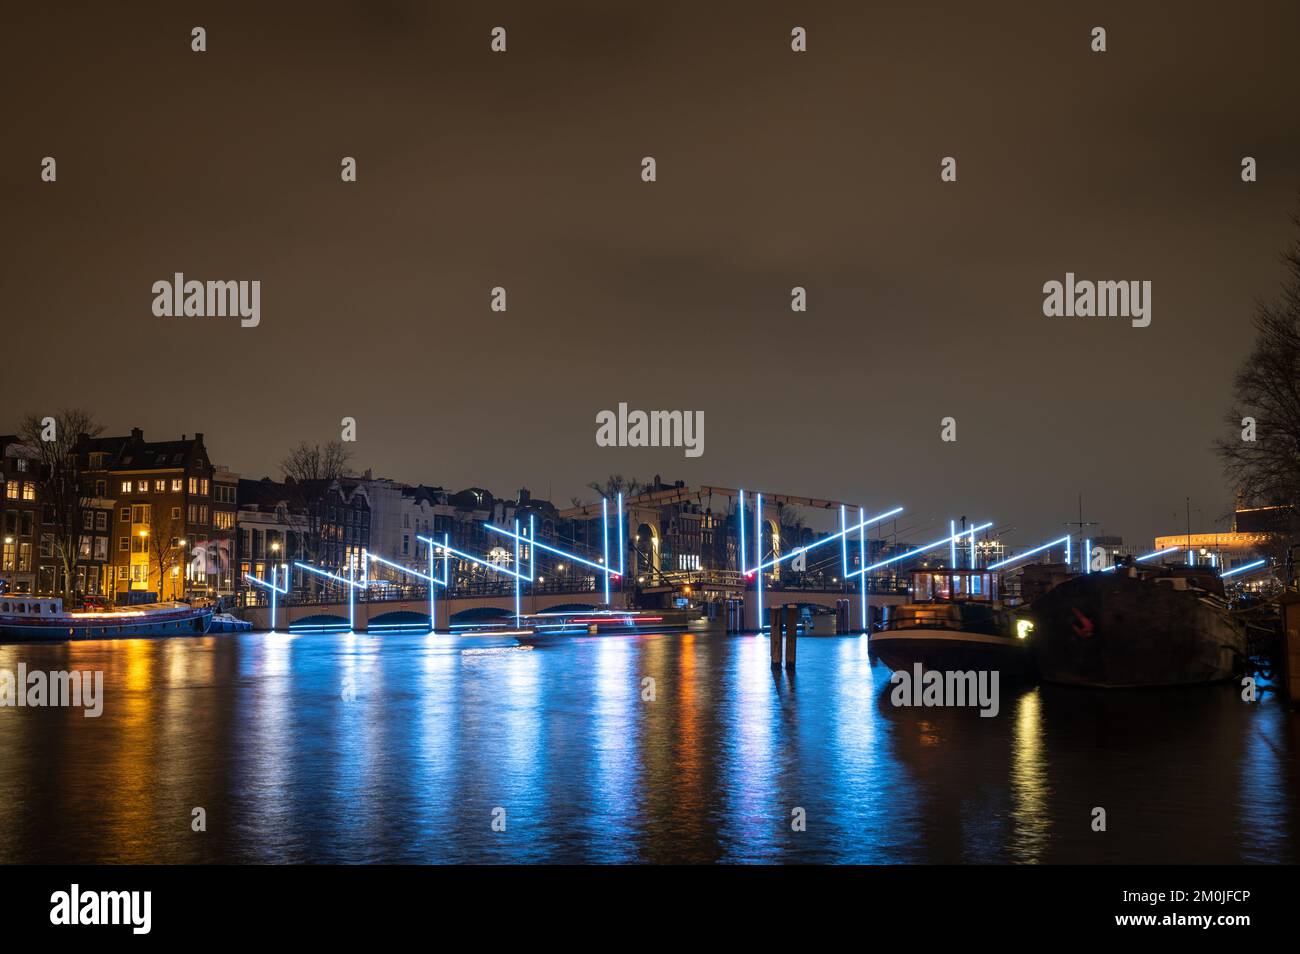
{"points": [[775, 169]]}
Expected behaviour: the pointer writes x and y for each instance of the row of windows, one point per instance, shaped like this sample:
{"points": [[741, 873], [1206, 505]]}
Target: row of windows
{"points": [[195, 514], [15, 490], [198, 486]]}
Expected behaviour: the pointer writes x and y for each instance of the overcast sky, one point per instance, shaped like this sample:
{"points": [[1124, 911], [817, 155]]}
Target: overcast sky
{"points": [[775, 169]]}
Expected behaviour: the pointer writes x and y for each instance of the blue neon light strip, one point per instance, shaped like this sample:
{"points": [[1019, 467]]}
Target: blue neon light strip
{"points": [[844, 543], [1150, 556], [862, 558], [556, 550], [604, 532], [1242, 569], [1028, 553], [621, 535], [275, 573], [473, 559], [843, 534], [328, 575], [427, 577], [758, 552], [352, 586], [927, 548]]}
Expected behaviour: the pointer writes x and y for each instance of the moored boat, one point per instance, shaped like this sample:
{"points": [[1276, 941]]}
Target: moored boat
{"points": [[43, 619], [1138, 626], [955, 622]]}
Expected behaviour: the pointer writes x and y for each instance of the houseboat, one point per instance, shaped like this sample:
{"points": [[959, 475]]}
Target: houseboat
{"points": [[43, 619], [1138, 625], [956, 621]]}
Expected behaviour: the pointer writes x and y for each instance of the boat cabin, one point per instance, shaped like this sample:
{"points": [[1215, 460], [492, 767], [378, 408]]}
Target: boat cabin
{"points": [[30, 606], [948, 584]]}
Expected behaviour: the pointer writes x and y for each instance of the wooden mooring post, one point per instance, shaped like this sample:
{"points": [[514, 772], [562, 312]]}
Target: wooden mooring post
{"points": [[785, 632]]}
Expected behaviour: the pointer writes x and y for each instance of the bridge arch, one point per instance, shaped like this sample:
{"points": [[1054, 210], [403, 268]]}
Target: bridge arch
{"points": [[647, 549]]}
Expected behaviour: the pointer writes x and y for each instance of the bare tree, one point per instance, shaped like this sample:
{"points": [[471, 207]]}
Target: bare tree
{"points": [[1262, 454], [309, 472], [166, 550], [615, 484], [61, 488]]}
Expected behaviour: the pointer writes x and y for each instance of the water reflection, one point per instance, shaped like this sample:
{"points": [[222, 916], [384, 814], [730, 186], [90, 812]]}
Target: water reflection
{"points": [[349, 747]]}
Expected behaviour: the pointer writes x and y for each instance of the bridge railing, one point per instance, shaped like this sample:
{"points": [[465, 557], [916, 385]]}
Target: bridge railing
{"points": [[413, 592], [876, 586], [329, 595]]}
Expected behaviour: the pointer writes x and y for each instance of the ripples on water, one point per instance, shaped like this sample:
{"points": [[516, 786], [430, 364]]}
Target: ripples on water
{"points": [[258, 729]]}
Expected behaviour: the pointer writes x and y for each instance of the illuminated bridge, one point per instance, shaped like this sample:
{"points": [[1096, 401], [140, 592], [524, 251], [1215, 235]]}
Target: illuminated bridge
{"points": [[718, 551]]}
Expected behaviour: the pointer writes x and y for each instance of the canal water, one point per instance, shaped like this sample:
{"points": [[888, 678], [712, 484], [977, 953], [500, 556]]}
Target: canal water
{"points": [[406, 748]]}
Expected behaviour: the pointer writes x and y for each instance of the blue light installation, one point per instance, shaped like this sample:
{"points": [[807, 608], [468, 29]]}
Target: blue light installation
{"points": [[557, 551], [862, 558], [622, 537], [925, 548], [518, 576], [844, 544], [758, 553], [1039, 549], [842, 535], [273, 587], [604, 567], [1255, 565], [1157, 553], [1087, 556], [428, 578], [952, 544], [496, 567], [604, 537], [743, 572], [349, 582], [1145, 557]]}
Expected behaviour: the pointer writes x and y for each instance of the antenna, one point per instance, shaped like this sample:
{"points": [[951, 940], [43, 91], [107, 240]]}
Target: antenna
{"points": [[1079, 525]]}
